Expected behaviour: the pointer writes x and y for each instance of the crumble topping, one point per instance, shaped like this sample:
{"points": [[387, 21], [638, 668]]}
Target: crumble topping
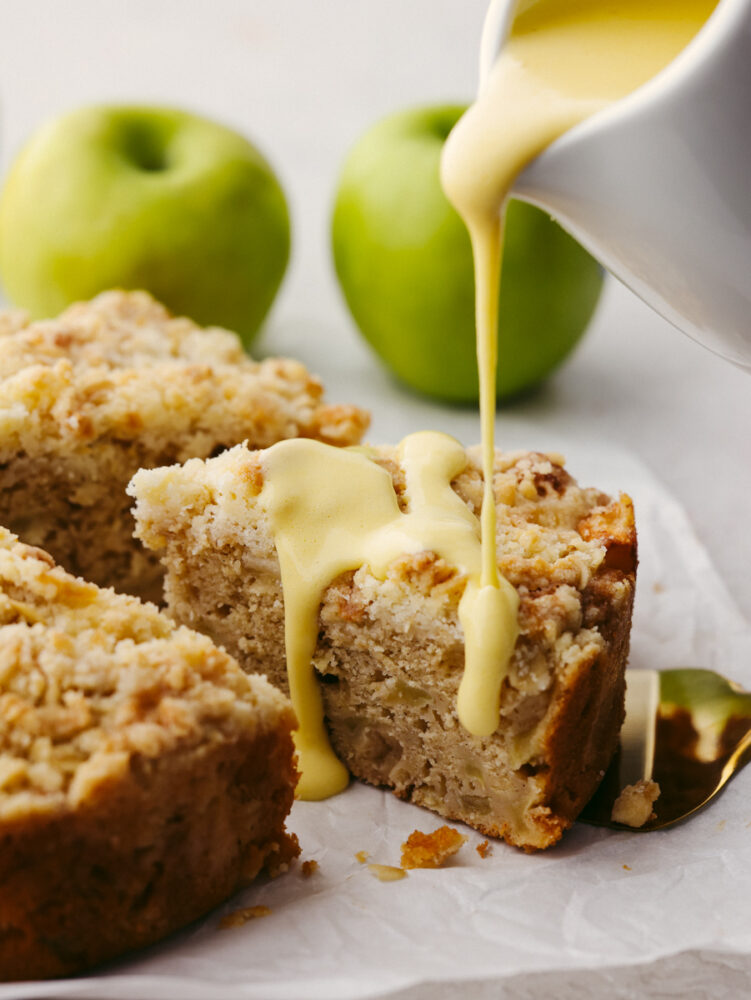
{"points": [[431, 850], [122, 366], [89, 678], [633, 807]]}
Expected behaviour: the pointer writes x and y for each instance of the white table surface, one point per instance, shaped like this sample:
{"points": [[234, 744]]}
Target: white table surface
{"points": [[304, 78]]}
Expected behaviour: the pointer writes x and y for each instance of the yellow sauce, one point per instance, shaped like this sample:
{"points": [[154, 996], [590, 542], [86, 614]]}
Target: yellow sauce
{"points": [[332, 510], [563, 61]]}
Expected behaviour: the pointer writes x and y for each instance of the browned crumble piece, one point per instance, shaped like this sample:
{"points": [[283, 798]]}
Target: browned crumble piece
{"points": [[431, 850], [362, 856], [309, 868], [484, 849], [239, 917]]}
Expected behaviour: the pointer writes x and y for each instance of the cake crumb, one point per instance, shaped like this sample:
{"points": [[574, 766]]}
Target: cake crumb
{"points": [[484, 849], [387, 873], [627, 868], [282, 855], [362, 856], [309, 868], [431, 850], [239, 917], [633, 807]]}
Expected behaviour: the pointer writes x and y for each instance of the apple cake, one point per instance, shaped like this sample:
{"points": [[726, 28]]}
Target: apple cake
{"points": [[390, 649], [118, 384], [143, 776]]}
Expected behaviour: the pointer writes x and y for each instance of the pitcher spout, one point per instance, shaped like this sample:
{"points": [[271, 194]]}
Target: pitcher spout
{"points": [[658, 188]]}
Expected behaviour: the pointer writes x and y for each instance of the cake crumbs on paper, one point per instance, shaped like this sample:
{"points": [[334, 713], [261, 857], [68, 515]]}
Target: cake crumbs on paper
{"points": [[386, 873], [308, 868], [627, 867], [362, 856], [431, 850], [633, 807], [239, 917], [484, 849]]}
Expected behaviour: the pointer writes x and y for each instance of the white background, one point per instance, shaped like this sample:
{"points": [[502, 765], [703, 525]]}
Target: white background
{"points": [[304, 78]]}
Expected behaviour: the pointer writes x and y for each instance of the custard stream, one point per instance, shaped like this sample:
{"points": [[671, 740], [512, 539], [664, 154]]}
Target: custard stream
{"points": [[333, 510]]}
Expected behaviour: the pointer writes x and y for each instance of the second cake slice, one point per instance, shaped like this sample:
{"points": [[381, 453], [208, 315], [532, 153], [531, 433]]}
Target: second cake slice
{"points": [[389, 646], [117, 384]]}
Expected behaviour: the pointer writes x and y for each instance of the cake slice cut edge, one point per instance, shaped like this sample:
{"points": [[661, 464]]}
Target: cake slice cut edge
{"points": [[390, 651]]}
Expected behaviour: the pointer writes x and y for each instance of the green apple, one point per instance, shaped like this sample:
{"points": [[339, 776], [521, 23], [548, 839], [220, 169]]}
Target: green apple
{"points": [[152, 198], [404, 261]]}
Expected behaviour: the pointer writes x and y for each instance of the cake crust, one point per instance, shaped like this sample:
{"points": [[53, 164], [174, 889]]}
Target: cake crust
{"points": [[390, 652]]}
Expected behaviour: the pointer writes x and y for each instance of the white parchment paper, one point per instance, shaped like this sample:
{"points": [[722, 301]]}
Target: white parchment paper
{"points": [[598, 900]]}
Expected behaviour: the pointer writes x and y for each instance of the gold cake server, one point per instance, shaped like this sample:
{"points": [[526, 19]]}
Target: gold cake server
{"points": [[689, 730]]}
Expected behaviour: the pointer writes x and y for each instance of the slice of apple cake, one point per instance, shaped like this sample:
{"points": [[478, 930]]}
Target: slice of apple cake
{"points": [[144, 777], [387, 640], [117, 384]]}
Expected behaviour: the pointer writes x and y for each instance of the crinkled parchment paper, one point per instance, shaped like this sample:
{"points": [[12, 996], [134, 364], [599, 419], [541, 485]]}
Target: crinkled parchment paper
{"points": [[599, 900]]}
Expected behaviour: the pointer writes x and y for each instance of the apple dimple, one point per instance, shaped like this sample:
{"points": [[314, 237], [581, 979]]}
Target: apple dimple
{"points": [[444, 123], [145, 145]]}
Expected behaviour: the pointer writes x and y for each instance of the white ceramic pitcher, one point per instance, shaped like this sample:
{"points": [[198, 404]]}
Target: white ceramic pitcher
{"points": [[658, 186]]}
